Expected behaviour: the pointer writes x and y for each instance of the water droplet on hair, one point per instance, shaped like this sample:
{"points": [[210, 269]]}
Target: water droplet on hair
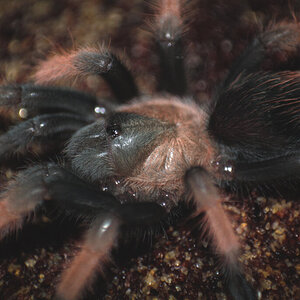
{"points": [[23, 113], [100, 110]]}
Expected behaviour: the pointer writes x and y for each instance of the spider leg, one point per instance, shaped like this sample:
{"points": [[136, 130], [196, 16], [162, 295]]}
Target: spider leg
{"points": [[168, 28], [95, 252], [98, 243], [220, 231], [25, 135], [279, 43], [27, 101], [267, 170], [38, 185], [90, 61], [45, 184]]}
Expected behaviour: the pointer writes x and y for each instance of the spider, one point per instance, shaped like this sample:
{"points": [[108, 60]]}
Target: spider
{"points": [[137, 163]]}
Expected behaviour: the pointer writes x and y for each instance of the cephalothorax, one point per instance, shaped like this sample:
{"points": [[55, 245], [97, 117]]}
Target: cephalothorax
{"points": [[135, 164], [147, 145]]}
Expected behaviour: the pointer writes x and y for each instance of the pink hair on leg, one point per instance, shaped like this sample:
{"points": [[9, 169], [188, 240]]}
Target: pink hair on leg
{"points": [[90, 260], [55, 68], [216, 222], [72, 64], [9, 221]]}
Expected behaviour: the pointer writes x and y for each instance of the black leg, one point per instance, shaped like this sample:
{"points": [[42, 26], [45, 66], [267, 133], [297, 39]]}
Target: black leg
{"points": [[168, 32], [264, 171], [172, 78], [220, 231], [27, 101], [74, 195], [38, 130], [40, 184], [110, 67]]}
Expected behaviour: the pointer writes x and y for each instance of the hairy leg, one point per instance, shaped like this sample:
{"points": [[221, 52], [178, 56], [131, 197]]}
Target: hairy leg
{"points": [[98, 243], [35, 186], [95, 252], [42, 184], [263, 171], [90, 61], [220, 231], [27, 101], [27, 135], [168, 31]]}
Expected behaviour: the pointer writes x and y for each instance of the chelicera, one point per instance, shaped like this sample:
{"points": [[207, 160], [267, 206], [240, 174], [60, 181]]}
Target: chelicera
{"points": [[137, 163]]}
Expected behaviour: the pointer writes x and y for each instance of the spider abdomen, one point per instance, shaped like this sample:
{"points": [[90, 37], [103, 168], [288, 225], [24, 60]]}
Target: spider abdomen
{"points": [[262, 115]]}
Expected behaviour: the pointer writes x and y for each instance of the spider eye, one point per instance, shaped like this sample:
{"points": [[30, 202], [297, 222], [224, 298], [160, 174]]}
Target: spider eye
{"points": [[113, 130]]}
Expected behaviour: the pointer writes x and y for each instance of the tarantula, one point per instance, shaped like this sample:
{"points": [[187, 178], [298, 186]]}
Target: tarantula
{"points": [[134, 165]]}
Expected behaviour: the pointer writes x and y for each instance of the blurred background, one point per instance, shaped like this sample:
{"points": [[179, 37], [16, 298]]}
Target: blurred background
{"points": [[31, 30]]}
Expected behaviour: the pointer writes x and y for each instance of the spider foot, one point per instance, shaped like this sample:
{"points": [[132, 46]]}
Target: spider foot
{"points": [[238, 286]]}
